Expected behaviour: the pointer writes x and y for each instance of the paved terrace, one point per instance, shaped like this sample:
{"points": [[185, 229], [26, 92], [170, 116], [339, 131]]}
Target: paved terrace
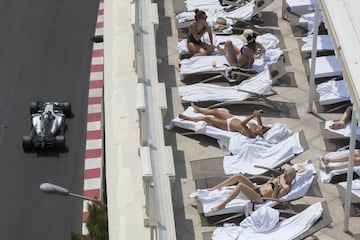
{"points": [[129, 160]]}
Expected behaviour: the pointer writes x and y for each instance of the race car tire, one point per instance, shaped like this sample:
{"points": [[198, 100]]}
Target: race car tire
{"points": [[34, 107], [27, 143], [60, 142], [66, 108]]}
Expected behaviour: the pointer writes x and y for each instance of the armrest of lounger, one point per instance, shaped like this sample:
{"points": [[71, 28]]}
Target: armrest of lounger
{"points": [[273, 199], [232, 217], [234, 3], [284, 213], [237, 74], [269, 169]]}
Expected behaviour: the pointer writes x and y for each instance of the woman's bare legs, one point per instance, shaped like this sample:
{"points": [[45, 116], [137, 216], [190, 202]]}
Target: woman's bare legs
{"points": [[236, 178], [342, 165], [215, 112], [231, 52], [340, 158], [200, 50], [249, 192]]}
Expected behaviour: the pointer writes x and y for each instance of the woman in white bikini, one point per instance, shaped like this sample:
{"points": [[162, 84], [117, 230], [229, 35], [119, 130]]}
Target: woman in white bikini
{"points": [[226, 121]]}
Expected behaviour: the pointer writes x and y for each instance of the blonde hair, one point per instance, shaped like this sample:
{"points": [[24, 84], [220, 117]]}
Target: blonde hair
{"points": [[290, 171]]}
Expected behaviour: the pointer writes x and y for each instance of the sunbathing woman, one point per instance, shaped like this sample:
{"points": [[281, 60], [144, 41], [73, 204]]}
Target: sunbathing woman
{"points": [[342, 161], [226, 121], [245, 56], [274, 187], [197, 29]]}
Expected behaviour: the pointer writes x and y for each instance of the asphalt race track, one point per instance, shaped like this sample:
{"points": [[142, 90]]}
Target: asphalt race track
{"points": [[45, 54]]}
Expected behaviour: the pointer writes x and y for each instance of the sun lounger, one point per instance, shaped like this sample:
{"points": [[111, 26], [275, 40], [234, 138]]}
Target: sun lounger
{"points": [[327, 177], [248, 155], [209, 199], [191, 5], [300, 5], [232, 15], [354, 197], [286, 229], [327, 66], [268, 41], [324, 45], [257, 87], [210, 171], [204, 5], [316, 226], [308, 19], [236, 143], [332, 91], [245, 13], [343, 132], [355, 187], [334, 139], [219, 64]]}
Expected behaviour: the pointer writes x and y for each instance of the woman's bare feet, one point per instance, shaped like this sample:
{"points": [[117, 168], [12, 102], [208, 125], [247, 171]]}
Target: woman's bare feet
{"points": [[325, 160], [323, 164], [196, 108], [214, 188], [182, 116], [218, 207], [258, 112], [337, 125]]}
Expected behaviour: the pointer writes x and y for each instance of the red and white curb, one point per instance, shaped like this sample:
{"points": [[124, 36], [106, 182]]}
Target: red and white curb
{"points": [[93, 171]]}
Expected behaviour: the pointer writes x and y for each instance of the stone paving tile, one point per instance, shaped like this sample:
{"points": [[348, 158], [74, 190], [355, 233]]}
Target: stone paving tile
{"points": [[188, 221]]}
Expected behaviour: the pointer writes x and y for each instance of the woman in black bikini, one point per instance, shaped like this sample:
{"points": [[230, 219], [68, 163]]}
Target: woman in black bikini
{"points": [[274, 187], [196, 30]]}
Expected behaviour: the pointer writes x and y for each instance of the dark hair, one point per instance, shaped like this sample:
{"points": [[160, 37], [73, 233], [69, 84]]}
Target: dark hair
{"points": [[199, 14], [251, 38]]}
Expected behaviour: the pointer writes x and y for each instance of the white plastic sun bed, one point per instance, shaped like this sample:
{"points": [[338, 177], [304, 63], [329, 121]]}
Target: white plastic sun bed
{"points": [[267, 40], [210, 199], [259, 227], [279, 141], [243, 13], [191, 5], [345, 132], [218, 64], [324, 43], [355, 187], [327, 66], [332, 91], [300, 5], [326, 177], [255, 87], [308, 19]]}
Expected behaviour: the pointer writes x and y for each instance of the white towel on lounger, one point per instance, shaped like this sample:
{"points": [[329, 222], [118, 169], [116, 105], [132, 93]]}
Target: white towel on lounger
{"points": [[355, 186], [259, 84], [332, 91], [242, 13], [248, 154], [286, 229]]}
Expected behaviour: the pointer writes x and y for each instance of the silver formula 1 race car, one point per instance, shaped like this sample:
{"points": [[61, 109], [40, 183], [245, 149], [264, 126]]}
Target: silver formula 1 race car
{"points": [[47, 125]]}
